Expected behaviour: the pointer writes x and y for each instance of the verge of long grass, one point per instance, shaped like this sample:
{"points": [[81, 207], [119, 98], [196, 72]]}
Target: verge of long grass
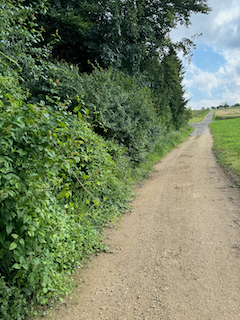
{"points": [[226, 147], [163, 145], [198, 115]]}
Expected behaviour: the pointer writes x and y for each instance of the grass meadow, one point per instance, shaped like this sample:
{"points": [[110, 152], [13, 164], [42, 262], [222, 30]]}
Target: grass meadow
{"points": [[226, 136], [198, 115]]}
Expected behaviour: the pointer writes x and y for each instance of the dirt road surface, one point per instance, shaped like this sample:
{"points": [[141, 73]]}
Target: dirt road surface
{"points": [[177, 255], [202, 128]]}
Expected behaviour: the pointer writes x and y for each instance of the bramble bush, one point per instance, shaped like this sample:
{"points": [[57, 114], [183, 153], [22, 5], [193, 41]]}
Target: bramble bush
{"points": [[49, 220]]}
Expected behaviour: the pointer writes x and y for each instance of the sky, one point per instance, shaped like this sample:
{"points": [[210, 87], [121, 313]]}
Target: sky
{"points": [[213, 75]]}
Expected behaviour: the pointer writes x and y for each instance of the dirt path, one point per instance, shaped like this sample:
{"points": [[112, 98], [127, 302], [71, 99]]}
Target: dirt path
{"points": [[177, 255]]}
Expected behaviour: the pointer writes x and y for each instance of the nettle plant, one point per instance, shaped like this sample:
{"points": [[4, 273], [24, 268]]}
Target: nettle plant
{"points": [[58, 186]]}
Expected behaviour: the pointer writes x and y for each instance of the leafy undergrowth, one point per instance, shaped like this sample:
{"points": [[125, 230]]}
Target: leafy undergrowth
{"points": [[227, 144], [198, 115], [60, 184]]}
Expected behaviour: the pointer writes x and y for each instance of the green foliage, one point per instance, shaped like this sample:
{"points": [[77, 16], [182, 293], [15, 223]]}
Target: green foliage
{"points": [[121, 34], [20, 37], [56, 81], [168, 92], [125, 111], [226, 144], [58, 186]]}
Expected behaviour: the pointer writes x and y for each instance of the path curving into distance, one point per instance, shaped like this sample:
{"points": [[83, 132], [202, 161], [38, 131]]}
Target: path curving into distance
{"points": [[202, 128], [177, 255]]}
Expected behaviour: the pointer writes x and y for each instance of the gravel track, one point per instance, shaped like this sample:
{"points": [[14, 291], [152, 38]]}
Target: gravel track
{"points": [[177, 255]]}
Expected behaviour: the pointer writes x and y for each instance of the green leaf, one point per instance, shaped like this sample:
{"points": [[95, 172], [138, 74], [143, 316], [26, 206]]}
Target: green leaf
{"points": [[63, 124], [9, 228], [96, 203], [16, 266], [25, 266], [22, 242], [77, 108], [14, 235], [31, 233], [13, 246], [79, 115]]}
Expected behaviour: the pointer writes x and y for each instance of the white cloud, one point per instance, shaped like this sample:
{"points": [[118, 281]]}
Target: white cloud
{"points": [[205, 104], [202, 80], [231, 97], [220, 27], [226, 81], [221, 33]]}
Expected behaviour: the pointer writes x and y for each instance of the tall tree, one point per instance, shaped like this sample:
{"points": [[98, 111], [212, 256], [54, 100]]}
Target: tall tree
{"points": [[117, 33], [168, 90]]}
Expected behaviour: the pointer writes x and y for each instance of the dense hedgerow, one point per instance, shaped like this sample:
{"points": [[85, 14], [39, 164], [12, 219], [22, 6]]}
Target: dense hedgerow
{"points": [[125, 111], [48, 221], [119, 109]]}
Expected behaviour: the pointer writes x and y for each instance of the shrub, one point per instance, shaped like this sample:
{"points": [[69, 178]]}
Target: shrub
{"points": [[58, 186], [125, 112]]}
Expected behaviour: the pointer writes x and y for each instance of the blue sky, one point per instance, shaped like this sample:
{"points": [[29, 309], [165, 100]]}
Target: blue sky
{"points": [[213, 75]]}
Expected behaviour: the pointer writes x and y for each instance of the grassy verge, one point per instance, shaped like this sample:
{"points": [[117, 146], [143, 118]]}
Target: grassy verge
{"points": [[198, 115], [227, 145]]}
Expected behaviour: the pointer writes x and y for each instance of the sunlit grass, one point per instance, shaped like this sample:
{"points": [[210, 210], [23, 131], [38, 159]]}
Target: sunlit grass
{"points": [[198, 115], [226, 135]]}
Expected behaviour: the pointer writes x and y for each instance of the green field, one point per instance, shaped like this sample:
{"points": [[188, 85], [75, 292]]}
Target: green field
{"points": [[226, 136], [198, 115]]}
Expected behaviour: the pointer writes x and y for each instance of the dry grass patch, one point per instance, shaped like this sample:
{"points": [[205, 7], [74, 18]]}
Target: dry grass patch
{"points": [[229, 113]]}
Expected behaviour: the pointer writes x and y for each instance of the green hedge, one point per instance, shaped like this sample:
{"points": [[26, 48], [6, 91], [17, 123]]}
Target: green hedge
{"points": [[125, 111], [59, 184]]}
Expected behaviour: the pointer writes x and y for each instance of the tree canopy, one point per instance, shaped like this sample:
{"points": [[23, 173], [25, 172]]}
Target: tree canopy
{"points": [[123, 34]]}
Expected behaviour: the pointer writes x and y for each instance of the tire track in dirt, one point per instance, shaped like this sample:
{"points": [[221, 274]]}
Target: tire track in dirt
{"points": [[176, 256]]}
